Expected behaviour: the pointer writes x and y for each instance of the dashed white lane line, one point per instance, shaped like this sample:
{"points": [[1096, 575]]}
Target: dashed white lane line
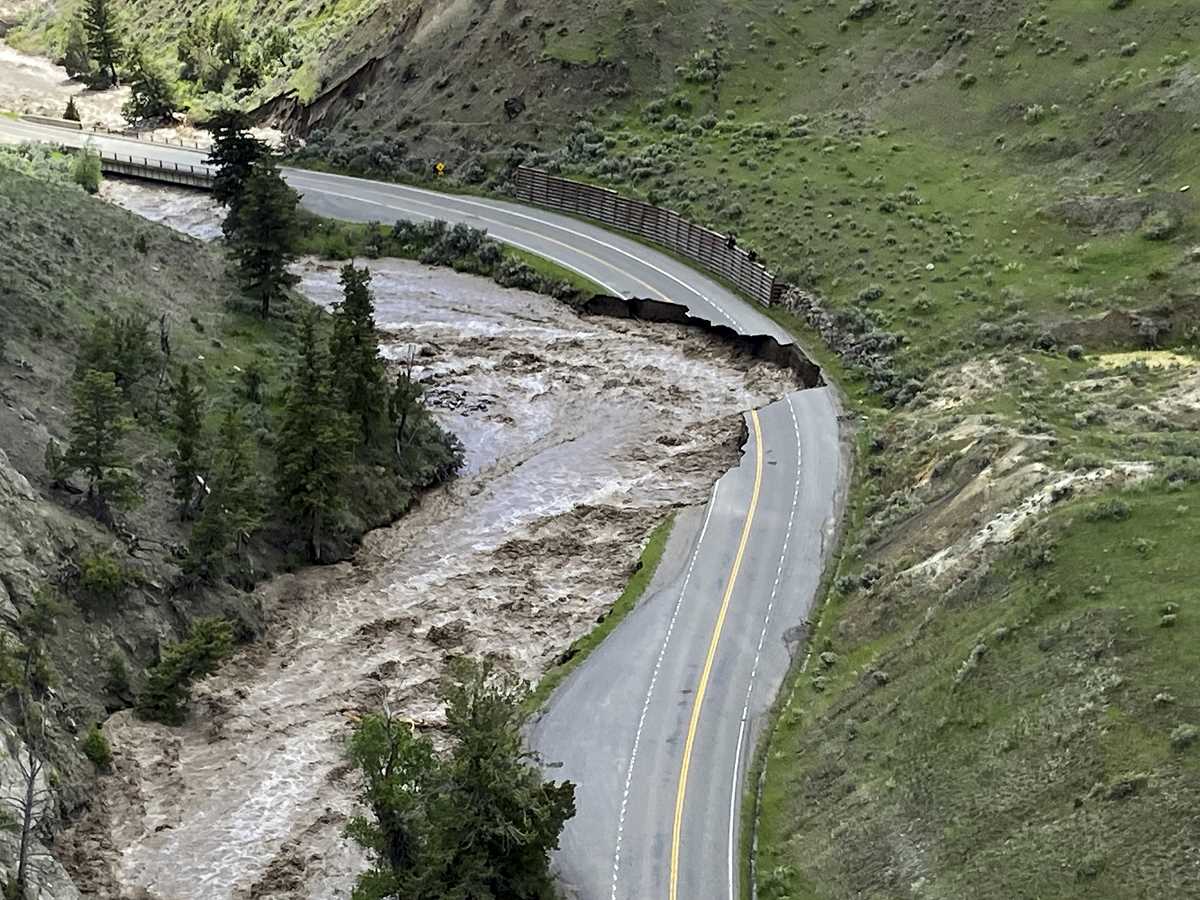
{"points": [[443, 199], [637, 735], [514, 243], [737, 759]]}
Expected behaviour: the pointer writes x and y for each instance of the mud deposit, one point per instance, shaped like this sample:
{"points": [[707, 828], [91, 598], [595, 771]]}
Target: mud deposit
{"points": [[581, 434], [35, 85]]}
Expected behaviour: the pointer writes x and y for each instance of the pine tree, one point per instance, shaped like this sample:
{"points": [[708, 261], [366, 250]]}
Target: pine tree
{"points": [[75, 58], [399, 777], [478, 822], [357, 367], [234, 507], [104, 46], [165, 695], [189, 422], [234, 153], [152, 95], [121, 345], [262, 234], [98, 427], [313, 444], [499, 819], [57, 465]]}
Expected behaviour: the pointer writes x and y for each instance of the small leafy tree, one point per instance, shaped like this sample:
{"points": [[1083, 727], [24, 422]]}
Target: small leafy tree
{"points": [[102, 578], [400, 777], [189, 424], [313, 445], [98, 429], [104, 44], [85, 169], [357, 367], [96, 748], [152, 94], [262, 229], [504, 819], [57, 465], [168, 684], [71, 113], [404, 404]]}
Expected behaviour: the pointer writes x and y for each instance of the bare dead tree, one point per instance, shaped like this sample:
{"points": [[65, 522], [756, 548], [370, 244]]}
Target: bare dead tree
{"points": [[164, 348], [405, 399], [31, 800]]}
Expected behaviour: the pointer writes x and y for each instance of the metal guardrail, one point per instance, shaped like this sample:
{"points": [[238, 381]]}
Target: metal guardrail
{"points": [[716, 252], [51, 120], [147, 136], [156, 170]]}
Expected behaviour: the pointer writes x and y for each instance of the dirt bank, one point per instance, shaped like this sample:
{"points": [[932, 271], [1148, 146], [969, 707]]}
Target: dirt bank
{"points": [[581, 433]]}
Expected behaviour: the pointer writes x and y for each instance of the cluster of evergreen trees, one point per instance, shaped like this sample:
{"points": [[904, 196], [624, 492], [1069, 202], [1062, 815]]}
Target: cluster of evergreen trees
{"points": [[339, 415], [95, 52], [213, 53], [476, 822], [339, 412], [115, 358]]}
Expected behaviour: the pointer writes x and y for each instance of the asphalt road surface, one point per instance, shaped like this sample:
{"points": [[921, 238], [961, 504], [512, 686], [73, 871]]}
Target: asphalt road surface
{"points": [[658, 726]]}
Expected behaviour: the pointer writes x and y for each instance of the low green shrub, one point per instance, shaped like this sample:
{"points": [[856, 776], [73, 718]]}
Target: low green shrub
{"points": [[1114, 509], [85, 170], [168, 684], [103, 579], [96, 748]]}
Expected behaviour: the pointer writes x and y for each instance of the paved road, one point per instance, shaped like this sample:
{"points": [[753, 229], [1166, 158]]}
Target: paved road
{"points": [[658, 726]]}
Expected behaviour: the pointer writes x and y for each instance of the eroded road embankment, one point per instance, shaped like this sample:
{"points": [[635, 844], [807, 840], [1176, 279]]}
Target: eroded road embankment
{"points": [[581, 433]]}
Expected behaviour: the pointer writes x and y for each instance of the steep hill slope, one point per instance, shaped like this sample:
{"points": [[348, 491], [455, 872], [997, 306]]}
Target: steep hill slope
{"points": [[989, 212], [104, 599]]}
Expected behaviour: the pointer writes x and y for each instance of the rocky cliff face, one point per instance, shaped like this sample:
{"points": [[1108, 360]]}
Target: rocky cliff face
{"points": [[66, 259]]}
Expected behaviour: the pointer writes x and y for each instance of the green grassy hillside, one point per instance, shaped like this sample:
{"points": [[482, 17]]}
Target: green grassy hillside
{"points": [[983, 206]]}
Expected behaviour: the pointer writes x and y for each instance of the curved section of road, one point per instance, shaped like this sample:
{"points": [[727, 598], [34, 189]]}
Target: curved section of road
{"points": [[658, 726]]}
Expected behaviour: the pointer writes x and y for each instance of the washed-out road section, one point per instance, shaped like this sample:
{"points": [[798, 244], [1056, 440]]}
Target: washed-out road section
{"points": [[658, 727]]}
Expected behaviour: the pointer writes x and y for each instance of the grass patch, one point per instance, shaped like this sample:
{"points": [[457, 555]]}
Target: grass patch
{"points": [[1053, 742], [583, 647], [464, 249], [554, 273]]}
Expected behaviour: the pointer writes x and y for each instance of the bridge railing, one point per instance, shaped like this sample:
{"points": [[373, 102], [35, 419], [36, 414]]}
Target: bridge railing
{"points": [[156, 170], [716, 252]]}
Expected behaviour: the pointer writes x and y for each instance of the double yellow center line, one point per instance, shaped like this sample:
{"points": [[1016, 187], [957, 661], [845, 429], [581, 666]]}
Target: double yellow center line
{"points": [[706, 673]]}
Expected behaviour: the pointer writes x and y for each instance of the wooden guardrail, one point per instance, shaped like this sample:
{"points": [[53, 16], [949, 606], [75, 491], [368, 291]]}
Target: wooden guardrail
{"points": [[716, 252]]}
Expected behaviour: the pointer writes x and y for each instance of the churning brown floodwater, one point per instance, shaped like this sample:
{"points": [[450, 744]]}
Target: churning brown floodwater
{"points": [[581, 434]]}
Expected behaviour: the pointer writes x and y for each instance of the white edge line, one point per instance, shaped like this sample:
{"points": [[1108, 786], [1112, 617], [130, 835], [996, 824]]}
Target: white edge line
{"points": [[737, 759], [637, 737]]}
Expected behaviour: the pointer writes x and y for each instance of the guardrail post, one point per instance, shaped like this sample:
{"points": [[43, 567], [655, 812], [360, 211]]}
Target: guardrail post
{"points": [[710, 249]]}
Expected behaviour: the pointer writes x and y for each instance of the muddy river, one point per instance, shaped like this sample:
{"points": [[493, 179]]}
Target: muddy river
{"points": [[581, 435]]}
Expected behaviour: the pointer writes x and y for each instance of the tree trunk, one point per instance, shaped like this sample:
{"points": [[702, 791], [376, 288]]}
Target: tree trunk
{"points": [[27, 811], [314, 545]]}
